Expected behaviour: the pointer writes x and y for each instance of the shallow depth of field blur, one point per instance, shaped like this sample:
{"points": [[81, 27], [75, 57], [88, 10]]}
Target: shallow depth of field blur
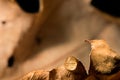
{"points": [[40, 34]]}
